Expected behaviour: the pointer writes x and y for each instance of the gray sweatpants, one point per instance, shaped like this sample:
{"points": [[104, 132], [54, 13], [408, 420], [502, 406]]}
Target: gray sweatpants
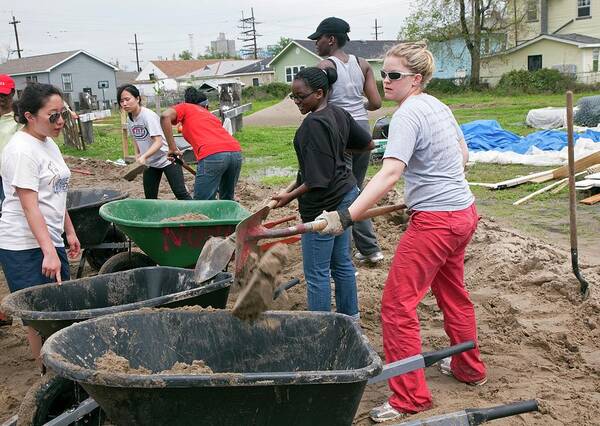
{"points": [[363, 234]]}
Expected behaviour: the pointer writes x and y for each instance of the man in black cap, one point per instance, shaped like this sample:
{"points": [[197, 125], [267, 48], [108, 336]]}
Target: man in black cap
{"points": [[355, 80]]}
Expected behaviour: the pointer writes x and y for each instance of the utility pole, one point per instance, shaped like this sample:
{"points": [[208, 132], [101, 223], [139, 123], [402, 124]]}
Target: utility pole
{"points": [[137, 56], [14, 23], [377, 30], [248, 35]]}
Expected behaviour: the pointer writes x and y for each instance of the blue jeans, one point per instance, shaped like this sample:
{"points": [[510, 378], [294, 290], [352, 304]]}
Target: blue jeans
{"points": [[217, 173], [324, 253]]}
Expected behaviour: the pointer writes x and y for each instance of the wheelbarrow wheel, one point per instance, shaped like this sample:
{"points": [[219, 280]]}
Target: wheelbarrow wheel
{"points": [[52, 396], [97, 257], [125, 261]]}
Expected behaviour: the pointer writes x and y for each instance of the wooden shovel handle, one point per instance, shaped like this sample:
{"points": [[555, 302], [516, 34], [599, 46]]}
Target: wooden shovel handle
{"points": [[319, 225], [183, 164], [289, 188]]}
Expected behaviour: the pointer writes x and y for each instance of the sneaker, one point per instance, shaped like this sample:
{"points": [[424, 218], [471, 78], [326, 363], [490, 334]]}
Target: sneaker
{"points": [[371, 258], [444, 367], [386, 412]]}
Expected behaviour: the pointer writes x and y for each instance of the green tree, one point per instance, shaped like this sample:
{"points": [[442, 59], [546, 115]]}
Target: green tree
{"points": [[279, 46], [472, 20], [212, 54], [186, 55]]}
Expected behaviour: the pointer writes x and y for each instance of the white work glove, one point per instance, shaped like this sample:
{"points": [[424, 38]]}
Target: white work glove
{"points": [[337, 221]]}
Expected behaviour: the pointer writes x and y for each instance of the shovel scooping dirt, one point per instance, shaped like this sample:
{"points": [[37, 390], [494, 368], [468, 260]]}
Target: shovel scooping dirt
{"points": [[257, 295]]}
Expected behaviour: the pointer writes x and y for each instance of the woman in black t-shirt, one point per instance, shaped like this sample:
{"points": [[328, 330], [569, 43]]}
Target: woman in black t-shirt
{"points": [[324, 181]]}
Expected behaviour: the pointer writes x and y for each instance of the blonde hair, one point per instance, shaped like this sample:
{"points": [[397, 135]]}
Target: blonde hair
{"points": [[418, 59]]}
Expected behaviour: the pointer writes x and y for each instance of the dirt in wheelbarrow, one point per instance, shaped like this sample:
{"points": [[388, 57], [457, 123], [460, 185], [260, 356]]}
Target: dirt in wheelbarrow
{"points": [[538, 339], [188, 217]]}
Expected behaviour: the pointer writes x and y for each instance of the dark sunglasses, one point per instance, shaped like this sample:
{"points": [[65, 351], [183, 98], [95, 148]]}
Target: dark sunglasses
{"points": [[395, 75], [300, 97], [53, 118]]}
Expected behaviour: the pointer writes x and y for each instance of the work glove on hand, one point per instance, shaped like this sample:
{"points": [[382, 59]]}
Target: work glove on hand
{"points": [[337, 221]]}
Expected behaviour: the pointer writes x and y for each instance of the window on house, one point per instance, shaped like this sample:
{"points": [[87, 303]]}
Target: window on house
{"points": [[290, 72], [31, 79], [532, 10], [255, 82], [584, 8], [67, 82], [534, 62], [595, 58]]}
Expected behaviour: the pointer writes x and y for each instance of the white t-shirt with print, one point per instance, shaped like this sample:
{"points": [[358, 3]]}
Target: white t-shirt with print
{"points": [[29, 163], [142, 128]]}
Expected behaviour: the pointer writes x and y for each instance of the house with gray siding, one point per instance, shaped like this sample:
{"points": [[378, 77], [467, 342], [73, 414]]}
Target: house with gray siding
{"points": [[74, 72]]}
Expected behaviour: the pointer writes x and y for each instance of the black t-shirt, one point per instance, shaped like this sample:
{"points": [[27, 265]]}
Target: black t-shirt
{"points": [[320, 143]]}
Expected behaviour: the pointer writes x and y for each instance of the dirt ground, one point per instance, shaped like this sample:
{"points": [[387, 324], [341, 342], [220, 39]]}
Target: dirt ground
{"points": [[538, 339]]}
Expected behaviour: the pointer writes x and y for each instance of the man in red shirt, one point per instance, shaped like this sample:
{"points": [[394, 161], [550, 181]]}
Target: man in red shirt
{"points": [[218, 153]]}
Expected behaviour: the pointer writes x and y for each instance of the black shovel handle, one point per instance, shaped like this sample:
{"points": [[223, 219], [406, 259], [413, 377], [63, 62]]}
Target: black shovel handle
{"points": [[285, 286], [431, 358], [482, 415]]}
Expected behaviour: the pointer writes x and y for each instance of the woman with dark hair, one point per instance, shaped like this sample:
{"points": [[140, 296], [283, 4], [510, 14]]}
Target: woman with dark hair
{"points": [[150, 145], [325, 181], [8, 125], [355, 80], [36, 180], [218, 153]]}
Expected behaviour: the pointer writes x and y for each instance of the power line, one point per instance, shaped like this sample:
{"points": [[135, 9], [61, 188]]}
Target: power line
{"points": [[377, 30], [14, 23], [248, 35], [137, 56]]}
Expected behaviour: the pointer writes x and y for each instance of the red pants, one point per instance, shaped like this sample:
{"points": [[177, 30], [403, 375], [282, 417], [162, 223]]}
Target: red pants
{"points": [[430, 254]]}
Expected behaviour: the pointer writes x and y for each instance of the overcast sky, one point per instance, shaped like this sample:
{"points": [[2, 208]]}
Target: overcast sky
{"points": [[105, 27]]}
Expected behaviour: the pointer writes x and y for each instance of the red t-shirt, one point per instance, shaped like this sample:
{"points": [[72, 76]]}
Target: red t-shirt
{"points": [[204, 131]]}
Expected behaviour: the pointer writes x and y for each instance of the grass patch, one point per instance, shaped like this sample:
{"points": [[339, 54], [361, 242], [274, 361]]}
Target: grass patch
{"points": [[262, 104]]}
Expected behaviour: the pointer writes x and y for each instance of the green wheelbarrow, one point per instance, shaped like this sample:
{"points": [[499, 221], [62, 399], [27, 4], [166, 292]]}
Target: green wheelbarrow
{"points": [[169, 232]]}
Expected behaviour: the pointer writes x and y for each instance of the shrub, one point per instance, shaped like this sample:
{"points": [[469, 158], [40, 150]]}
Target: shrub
{"points": [[443, 85], [544, 80], [266, 92]]}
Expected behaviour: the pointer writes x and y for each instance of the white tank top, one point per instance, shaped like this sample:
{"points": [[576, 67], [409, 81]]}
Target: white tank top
{"points": [[347, 91]]}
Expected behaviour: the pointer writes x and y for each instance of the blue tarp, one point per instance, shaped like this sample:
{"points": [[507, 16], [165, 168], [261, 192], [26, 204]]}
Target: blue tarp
{"points": [[488, 135]]}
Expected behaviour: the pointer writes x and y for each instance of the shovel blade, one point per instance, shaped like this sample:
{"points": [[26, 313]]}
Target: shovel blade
{"points": [[214, 257]]}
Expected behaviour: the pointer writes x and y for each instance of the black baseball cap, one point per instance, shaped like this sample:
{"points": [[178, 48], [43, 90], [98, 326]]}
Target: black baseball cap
{"points": [[331, 25]]}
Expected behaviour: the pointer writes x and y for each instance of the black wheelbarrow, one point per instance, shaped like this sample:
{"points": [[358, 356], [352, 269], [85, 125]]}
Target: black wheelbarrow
{"points": [[99, 239], [293, 368], [50, 307]]}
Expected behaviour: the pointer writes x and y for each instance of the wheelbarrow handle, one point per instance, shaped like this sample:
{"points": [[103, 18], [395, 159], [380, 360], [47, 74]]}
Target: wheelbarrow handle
{"points": [[482, 415], [431, 358], [319, 225], [416, 362], [285, 286]]}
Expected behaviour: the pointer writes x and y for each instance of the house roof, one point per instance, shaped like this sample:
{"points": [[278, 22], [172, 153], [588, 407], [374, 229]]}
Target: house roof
{"points": [[43, 63], [254, 67], [125, 77], [220, 68], [175, 69], [579, 40], [368, 49]]}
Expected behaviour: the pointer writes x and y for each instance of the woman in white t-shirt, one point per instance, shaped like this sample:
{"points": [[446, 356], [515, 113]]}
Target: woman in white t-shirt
{"points": [[35, 180], [150, 145], [427, 148]]}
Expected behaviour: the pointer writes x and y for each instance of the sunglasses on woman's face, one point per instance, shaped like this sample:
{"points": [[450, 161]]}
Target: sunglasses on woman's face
{"points": [[395, 75], [53, 118]]}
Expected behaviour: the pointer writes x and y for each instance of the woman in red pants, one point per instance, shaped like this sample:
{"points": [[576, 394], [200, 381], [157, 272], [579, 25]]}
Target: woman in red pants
{"points": [[426, 145]]}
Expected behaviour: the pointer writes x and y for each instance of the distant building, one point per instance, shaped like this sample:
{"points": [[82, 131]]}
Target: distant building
{"points": [[74, 72], [222, 46]]}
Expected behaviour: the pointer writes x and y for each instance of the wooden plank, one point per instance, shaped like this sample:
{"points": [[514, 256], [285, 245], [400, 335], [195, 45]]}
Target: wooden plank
{"points": [[519, 180], [591, 200], [580, 165], [544, 189]]}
